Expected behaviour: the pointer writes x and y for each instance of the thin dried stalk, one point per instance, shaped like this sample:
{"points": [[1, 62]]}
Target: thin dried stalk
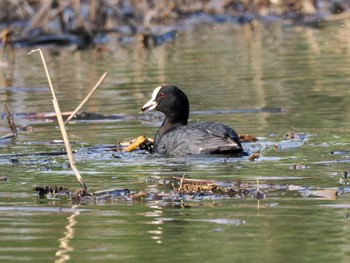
{"points": [[10, 120], [7, 136], [81, 22], [182, 180], [258, 192], [67, 144], [3, 42], [86, 98], [123, 18], [42, 16], [7, 43], [61, 124]]}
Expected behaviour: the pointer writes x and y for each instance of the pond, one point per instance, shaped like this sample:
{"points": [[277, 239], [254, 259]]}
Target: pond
{"points": [[262, 79]]}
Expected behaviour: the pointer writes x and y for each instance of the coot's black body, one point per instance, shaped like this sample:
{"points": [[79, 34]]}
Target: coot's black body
{"points": [[175, 137]]}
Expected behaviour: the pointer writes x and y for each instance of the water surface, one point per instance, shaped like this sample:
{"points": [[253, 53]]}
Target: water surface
{"points": [[265, 80]]}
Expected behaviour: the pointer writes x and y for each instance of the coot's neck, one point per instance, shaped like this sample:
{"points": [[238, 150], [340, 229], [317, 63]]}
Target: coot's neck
{"points": [[176, 107], [173, 119]]}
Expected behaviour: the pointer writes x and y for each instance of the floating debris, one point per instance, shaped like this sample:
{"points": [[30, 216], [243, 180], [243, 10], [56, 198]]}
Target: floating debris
{"points": [[135, 144], [344, 179], [253, 157], [52, 190], [298, 166], [197, 188], [327, 194], [247, 138], [339, 152], [182, 189], [289, 136], [141, 143]]}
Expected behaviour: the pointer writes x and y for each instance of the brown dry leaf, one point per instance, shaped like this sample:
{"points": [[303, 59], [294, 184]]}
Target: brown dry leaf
{"points": [[247, 138], [253, 157]]}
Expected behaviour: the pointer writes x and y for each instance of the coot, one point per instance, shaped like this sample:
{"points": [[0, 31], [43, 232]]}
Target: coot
{"points": [[177, 138]]}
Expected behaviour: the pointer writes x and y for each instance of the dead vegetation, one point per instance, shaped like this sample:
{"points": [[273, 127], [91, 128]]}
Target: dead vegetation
{"points": [[180, 191], [181, 188], [102, 15], [81, 23]]}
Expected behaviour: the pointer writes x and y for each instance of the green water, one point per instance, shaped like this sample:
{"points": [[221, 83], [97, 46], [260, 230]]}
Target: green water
{"points": [[302, 72]]}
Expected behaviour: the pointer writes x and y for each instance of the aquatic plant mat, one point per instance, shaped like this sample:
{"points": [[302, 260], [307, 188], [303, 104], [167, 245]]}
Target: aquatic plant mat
{"points": [[180, 190]]}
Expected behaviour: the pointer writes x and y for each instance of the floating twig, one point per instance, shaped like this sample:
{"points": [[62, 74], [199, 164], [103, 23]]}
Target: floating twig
{"points": [[4, 35], [61, 124], [86, 98], [10, 120], [7, 136]]}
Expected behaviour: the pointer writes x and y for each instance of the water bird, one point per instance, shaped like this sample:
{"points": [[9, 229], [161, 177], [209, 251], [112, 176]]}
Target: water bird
{"points": [[175, 137]]}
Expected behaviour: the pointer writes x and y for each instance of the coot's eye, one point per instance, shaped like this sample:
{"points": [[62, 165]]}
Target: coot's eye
{"points": [[162, 95]]}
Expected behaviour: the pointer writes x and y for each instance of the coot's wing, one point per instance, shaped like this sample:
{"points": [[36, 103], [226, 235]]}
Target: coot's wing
{"points": [[218, 138], [200, 137]]}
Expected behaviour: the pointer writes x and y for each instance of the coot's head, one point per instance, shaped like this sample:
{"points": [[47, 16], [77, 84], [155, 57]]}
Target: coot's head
{"points": [[171, 101]]}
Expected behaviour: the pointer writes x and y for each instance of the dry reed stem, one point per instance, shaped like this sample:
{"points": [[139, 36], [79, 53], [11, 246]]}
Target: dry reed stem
{"points": [[6, 42], [41, 18], [3, 42], [68, 147], [10, 120], [61, 124], [182, 180], [258, 192], [86, 98]]}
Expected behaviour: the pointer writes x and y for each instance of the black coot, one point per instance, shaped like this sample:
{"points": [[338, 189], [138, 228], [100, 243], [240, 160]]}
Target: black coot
{"points": [[175, 137]]}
